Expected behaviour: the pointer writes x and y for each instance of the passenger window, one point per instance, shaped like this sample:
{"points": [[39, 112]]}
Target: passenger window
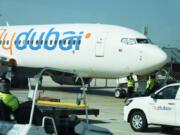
{"points": [[15, 42], [7, 42], [36, 42], [55, 42], [32, 42], [74, 42], [0, 42], [19, 42], [46, 42], [51, 42], [79, 42], [41, 42], [64, 42], [4, 42], [168, 93], [69, 42], [28, 42], [59, 42]]}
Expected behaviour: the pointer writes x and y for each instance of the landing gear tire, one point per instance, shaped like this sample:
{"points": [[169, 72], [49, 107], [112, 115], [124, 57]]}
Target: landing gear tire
{"points": [[138, 121], [120, 93], [117, 93]]}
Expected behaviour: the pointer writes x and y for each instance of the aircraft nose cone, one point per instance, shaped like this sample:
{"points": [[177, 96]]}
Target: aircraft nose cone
{"points": [[154, 58], [159, 57], [163, 57]]}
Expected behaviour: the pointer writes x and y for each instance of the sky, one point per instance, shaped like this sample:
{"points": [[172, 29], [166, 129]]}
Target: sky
{"points": [[161, 16]]}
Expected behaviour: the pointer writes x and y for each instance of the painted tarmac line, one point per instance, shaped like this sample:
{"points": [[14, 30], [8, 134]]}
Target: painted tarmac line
{"points": [[105, 101], [112, 104]]}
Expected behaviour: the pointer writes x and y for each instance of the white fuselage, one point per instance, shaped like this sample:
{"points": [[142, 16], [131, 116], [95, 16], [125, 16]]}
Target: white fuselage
{"points": [[93, 50]]}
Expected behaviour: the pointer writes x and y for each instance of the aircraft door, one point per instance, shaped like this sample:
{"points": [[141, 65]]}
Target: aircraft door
{"points": [[100, 45]]}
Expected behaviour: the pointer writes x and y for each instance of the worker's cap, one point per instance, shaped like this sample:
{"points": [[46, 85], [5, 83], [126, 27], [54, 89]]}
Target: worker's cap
{"points": [[4, 87]]}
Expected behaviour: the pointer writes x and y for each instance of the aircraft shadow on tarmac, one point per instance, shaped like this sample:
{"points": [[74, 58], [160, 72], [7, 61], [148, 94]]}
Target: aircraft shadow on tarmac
{"points": [[158, 130], [100, 91], [91, 121]]}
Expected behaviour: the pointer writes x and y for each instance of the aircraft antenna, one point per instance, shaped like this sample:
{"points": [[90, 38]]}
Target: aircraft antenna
{"points": [[145, 30]]}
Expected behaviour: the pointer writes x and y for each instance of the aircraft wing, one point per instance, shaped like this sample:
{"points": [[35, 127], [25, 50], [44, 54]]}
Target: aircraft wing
{"points": [[19, 75]]}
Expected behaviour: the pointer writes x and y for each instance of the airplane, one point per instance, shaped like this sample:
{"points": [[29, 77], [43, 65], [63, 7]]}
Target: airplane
{"points": [[92, 50]]}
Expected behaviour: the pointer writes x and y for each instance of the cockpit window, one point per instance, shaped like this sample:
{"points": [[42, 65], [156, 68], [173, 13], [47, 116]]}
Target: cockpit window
{"points": [[124, 40], [132, 42], [127, 41], [143, 41]]}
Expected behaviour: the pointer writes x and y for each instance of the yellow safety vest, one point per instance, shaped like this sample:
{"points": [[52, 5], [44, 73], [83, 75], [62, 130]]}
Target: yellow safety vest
{"points": [[151, 83], [130, 82], [9, 100]]}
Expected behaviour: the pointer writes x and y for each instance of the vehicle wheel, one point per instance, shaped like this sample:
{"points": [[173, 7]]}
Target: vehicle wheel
{"points": [[166, 129], [117, 93], [123, 91], [138, 121]]}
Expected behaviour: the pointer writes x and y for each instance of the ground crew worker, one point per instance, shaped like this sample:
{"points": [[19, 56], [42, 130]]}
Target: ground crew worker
{"points": [[7, 98], [130, 85], [152, 85]]}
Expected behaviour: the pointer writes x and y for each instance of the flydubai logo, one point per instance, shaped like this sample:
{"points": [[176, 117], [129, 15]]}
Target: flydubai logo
{"points": [[162, 108], [42, 40]]}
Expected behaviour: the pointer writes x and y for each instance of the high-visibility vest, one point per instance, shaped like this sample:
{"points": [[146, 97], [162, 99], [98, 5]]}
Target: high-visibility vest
{"points": [[9, 100], [130, 82], [148, 83], [151, 83]]}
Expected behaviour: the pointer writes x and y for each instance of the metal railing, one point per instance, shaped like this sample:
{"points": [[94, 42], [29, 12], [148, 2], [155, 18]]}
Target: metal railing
{"points": [[49, 118], [38, 76]]}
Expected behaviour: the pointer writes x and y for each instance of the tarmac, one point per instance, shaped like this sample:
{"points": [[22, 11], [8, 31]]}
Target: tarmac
{"points": [[100, 97]]}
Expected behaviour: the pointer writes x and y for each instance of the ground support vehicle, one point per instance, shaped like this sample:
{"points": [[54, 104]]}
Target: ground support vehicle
{"points": [[64, 111], [160, 108]]}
